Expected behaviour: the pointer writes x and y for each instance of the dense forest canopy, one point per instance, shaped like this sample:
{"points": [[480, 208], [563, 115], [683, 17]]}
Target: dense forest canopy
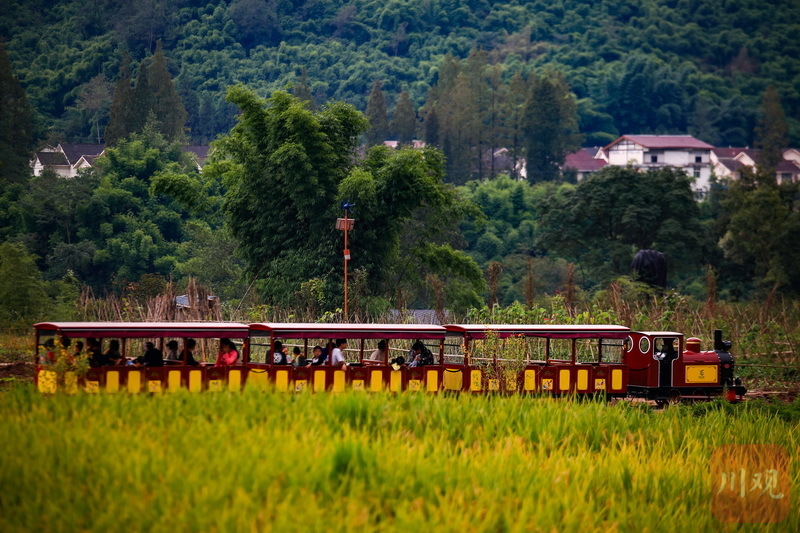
{"points": [[636, 67], [292, 90]]}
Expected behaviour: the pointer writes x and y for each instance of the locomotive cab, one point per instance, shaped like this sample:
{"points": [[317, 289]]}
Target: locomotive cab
{"points": [[665, 367]]}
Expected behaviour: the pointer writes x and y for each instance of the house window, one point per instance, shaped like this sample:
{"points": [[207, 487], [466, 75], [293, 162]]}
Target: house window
{"points": [[697, 173], [698, 159], [785, 177], [654, 159]]}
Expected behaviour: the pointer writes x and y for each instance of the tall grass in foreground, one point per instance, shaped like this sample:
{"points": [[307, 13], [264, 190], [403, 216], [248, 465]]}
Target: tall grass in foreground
{"points": [[254, 461]]}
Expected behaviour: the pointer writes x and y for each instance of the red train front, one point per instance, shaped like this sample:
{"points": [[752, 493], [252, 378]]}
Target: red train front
{"points": [[663, 366]]}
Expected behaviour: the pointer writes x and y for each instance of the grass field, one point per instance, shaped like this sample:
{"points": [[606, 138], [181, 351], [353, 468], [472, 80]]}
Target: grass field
{"points": [[269, 461]]}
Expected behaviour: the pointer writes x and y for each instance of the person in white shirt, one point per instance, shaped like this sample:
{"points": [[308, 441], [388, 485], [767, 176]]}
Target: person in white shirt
{"points": [[380, 353], [337, 357], [172, 352]]}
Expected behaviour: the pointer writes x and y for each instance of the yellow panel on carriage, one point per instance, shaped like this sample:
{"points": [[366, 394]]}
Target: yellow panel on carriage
{"points": [[475, 381], [319, 380], [376, 381], [235, 380], [256, 379], [563, 379], [432, 380], [134, 381], [91, 387], [452, 379], [338, 381], [396, 381], [71, 383], [195, 380], [300, 385], [414, 384], [530, 379], [173, 380], [583, 379], [112, 381], [47, 382], [547, 384], [616, 379], [600, 384], [153, 385], [282, 380], [358, 384]]}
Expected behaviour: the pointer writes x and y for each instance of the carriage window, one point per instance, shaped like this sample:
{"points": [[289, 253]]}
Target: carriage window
{"points": [[613, 348], [644, 345], [586, 350], [665, 347], [561, 349]]}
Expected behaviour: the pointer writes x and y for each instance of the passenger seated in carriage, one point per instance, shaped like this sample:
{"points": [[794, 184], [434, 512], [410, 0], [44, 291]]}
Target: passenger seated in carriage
{"points": [[279, 354], [380, 354], [227, 353], [419, 355], [318, 356], [188, 348]]}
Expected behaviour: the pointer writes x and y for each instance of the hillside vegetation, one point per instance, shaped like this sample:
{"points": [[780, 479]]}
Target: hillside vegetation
{"points": [[635, 67]]}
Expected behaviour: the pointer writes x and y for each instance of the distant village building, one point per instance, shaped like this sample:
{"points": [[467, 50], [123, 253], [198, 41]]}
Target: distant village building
{"points": [[649, 152], [729, 162], [695, 157], [416, 143], [584, 162], [67, 159]]}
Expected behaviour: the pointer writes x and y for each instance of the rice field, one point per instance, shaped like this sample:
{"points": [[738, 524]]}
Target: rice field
{"points": [[257, 461]]}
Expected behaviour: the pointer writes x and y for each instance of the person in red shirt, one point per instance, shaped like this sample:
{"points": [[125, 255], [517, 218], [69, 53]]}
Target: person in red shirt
{"points": [[227, 353]]}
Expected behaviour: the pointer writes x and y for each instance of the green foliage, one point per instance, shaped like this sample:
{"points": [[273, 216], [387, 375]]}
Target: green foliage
{"points": [[550, 127], [759, 232], [377, 115], [605, 219], [22, 291], [468, 462], [16, 126], [152, 102]]}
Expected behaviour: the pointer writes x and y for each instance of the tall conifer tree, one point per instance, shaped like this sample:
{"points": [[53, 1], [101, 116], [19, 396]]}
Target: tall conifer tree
{"points": [[377, 115], [120, 115], [164, 101], [404, 120], [551, 127], [303, 91], [16, 126], [772, 132]]}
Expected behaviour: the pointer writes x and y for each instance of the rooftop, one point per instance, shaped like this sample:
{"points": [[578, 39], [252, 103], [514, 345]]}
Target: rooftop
{"points": [[664, 141]]}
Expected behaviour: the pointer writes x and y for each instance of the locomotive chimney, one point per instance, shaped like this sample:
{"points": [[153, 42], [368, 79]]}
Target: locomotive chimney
{"points": [[718, 346]]}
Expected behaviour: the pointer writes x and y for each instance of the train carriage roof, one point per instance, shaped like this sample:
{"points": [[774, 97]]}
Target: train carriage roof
{"points": [[145, 329], [354, 331], [503, 331]]}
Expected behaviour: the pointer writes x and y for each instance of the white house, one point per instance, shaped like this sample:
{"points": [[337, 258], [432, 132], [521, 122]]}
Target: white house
{"points": [[66, 159], [728, 163], [647, 152]]}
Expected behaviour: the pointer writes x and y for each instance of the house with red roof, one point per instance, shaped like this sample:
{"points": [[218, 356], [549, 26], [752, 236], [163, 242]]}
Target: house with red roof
{"points": [[648, 152], [583, 162]]}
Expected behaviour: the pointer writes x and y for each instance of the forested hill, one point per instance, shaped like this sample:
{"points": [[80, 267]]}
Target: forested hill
{"points": [[698, 66]]}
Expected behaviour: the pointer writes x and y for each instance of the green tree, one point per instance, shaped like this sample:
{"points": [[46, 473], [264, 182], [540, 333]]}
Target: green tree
{"points": [[121, 120], [606, 218], [761, 222], [95, 100], [164, 102], [377, 115], [16, 126], [22, 291], [404, 120], [551, 127], [286, 236], [302, 91], [772, 132]]}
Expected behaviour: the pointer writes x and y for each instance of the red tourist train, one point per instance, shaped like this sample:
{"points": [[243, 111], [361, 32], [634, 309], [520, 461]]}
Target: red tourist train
{"points": [[607, 360]]}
